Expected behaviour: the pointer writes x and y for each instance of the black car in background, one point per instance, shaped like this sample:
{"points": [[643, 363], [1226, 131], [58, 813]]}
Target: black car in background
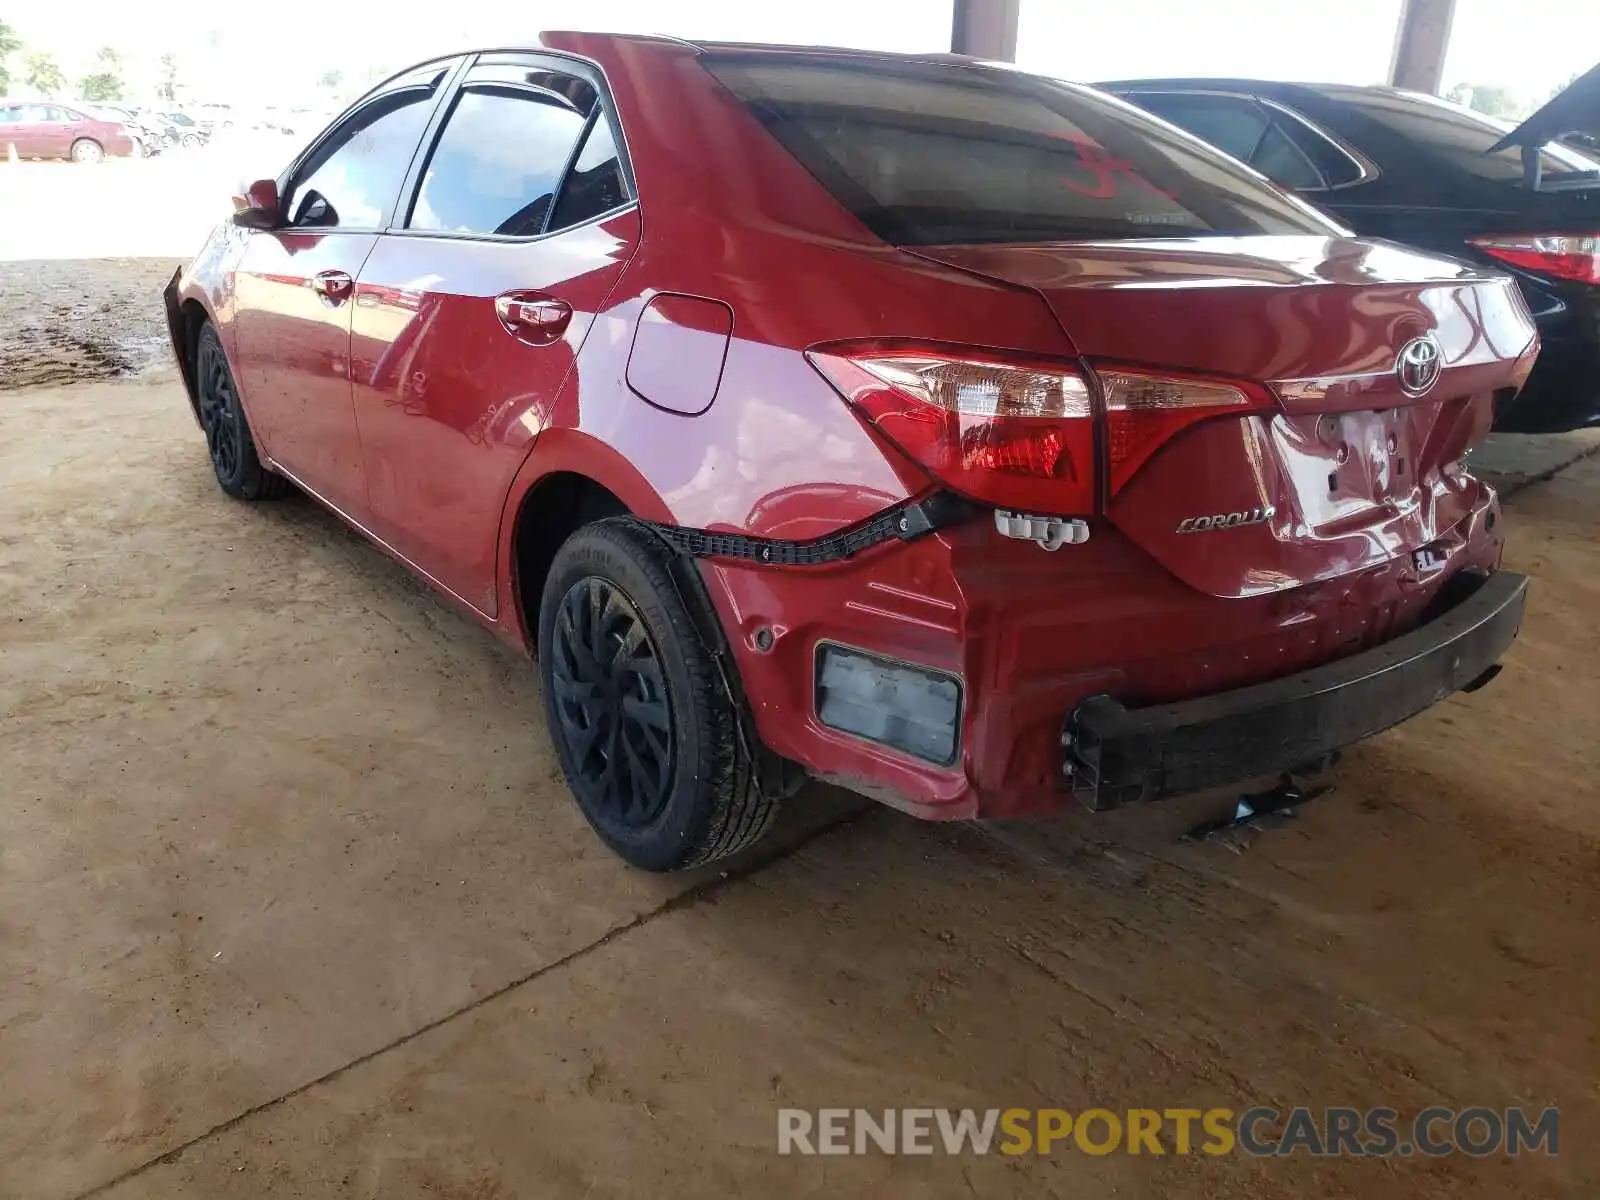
{"points": [[1417, 169]]}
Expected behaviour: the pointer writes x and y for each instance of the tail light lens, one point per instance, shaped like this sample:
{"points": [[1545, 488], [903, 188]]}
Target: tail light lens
{"points": [[1560, 256], [1018, 432], [1145, 410], [1009, 431]]}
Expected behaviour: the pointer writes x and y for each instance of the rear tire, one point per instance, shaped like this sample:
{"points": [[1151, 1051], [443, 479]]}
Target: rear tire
{"points": [[651, 741], [87, 150], [228, 439]]}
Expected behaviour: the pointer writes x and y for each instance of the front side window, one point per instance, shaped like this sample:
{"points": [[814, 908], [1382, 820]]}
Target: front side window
{"points": [[355, 175], [500, 159], [925, 154]]}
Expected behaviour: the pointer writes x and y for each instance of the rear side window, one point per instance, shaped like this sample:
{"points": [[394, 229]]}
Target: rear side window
{"points": [[1337, 166], [498, 162], [925, 154], [1282, 161], [595, 184], [1283, 146], [355, 175]]}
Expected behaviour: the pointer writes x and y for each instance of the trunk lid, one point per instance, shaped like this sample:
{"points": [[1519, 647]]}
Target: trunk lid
{"points": [[1350, 469], [1574, 109]]}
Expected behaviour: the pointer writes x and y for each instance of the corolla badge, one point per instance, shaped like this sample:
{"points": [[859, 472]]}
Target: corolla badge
{"points": [[1417, 366], [1231, 520]]}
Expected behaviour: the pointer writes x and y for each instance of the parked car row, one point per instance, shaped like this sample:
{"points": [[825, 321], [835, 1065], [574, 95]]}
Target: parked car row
{"points": [[971, 439], [158, 130], [48, 129]]}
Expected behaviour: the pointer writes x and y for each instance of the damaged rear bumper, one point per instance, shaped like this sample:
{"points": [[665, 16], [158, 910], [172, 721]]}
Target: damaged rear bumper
{"points": [[1115, 754]]}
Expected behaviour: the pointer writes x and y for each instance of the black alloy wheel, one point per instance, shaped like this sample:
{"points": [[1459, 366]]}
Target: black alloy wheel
{"points": [[220, 415], [640, 701], [228, 438], [612, 705]]}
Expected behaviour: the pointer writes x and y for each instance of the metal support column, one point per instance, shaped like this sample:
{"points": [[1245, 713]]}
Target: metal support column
{"points": [[1420, 43], [986, 29]]}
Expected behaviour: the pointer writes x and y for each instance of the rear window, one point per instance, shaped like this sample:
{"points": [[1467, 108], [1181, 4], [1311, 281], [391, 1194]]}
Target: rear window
{"points": [[928, 154], [1462, 136]]}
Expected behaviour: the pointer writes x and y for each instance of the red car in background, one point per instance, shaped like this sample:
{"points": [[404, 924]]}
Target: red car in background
{"points": [[44, 129], [962, 437]]}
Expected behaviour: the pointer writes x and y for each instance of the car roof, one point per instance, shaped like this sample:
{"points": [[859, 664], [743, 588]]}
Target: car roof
{"points": [[551, 36], [1265, 87]]}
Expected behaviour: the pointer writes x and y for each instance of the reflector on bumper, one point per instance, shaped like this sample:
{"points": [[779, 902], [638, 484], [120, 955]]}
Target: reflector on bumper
{"points": [[911, 708]]}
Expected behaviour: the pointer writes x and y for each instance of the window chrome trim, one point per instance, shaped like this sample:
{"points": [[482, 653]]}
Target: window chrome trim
{"points": [[506, 239]]}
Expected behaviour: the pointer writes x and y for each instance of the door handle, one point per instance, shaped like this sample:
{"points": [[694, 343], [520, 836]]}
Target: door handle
{"points": [[333, 286], [532, 318]]}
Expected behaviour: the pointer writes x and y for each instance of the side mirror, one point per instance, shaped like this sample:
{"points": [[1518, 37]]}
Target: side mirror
{"points": [[257, 206]]}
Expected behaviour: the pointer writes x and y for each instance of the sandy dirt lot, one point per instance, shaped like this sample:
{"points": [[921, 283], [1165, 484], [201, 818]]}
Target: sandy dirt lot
{"points": [[68, 320], [293, 902]]}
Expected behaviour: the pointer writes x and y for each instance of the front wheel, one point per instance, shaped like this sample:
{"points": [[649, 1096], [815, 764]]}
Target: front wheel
{"points": [[651, 741], [87, 150], [233, 450]]}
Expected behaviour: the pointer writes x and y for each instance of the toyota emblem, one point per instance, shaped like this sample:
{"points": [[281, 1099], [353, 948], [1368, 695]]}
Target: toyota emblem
{"points": [[1417, 366]]}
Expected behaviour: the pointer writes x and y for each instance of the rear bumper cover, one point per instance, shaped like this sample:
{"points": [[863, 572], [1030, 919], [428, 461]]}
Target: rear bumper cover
{"points": [[1115, 755]]}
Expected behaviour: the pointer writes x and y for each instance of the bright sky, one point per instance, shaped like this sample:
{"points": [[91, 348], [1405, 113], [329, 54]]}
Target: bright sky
{"points": [[1530, 46]]}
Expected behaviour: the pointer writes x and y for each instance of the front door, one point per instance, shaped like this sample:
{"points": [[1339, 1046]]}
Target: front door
{"points": [[295, 291], [470, 315], [292, 336], [22, 127]]}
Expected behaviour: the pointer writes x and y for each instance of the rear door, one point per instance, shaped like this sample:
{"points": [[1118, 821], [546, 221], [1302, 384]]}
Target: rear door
{"points": [[470, 312], [53, 133], [295, 286]]}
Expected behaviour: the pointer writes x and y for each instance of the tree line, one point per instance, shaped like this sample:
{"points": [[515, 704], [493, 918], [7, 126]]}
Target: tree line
{"points": [[41, 72]]}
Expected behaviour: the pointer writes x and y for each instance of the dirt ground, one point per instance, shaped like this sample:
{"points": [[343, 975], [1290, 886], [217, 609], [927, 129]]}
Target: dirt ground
{"points": [[67, 320], [293, 902]]}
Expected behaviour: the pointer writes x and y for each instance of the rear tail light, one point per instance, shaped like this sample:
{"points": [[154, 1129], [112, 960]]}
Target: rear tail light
{"points": [[1009, 431], [1560, 256], [1144, 411], [1019, 432]]}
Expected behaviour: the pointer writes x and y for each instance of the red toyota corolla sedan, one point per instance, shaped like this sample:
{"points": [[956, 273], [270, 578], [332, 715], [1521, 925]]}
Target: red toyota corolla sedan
{"points": [[967, 438]]}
